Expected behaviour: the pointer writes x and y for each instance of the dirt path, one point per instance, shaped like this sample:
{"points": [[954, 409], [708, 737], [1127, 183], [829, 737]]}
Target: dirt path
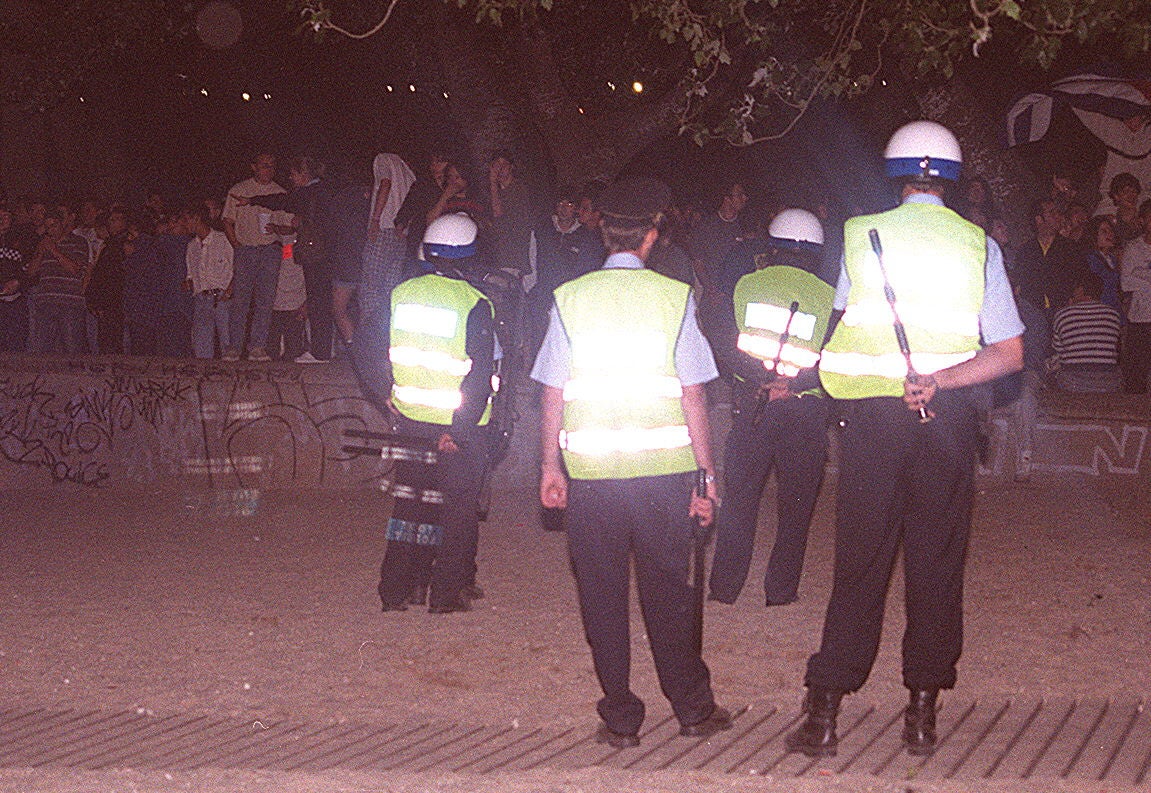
{"points": [[173, 602]]}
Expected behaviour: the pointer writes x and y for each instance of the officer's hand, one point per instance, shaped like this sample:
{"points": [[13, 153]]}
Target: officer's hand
{"points": [[918, 390], [446, 445], [704, 508], [553, 488]]}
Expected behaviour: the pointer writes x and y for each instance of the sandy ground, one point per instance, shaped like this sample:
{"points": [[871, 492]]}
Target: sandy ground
{"points": [[180, 602]]}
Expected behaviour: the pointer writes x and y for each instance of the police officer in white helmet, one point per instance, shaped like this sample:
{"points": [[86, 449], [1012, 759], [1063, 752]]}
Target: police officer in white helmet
{"points": [[769, 339], [928, 317], [431, 363]]}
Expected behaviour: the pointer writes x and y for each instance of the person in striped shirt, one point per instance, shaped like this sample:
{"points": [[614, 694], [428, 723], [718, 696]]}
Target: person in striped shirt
{"points": [[1085, 341]]}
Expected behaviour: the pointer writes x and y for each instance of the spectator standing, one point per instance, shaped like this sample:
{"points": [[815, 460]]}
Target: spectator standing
{"points": [[1124, 191], [385, 249], [208, 258], [13, 303], [411, 219], [57, 312], [105, 293], [511, 214], [1102, 257], [1135, 281], [1049, 265], [310, 204], [1085, 342], [256, 263], [289, 311], [716, 233], [351, 206]]}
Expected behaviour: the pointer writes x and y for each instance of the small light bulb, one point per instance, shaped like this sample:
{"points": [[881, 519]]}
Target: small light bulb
{"points": [[637, 86], [204, 91], [246, 96]]}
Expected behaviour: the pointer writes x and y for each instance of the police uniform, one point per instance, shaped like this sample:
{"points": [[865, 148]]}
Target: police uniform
{"points": [[787, 434], [440, 349], [622, 344], [905, 485]]}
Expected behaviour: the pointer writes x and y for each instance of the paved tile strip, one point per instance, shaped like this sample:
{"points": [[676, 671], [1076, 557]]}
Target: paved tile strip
{"points": [[1078, 741]]}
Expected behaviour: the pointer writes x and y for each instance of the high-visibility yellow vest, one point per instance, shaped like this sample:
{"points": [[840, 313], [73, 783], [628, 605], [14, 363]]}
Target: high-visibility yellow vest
{"points": [[763, 301], [429, 328], [935, 261], [623, 415]]}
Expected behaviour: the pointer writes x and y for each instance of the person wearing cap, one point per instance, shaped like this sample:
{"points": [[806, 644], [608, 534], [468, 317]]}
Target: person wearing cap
{"points": [[769, 339], [624, 416], [431, 365], [910, 432]]}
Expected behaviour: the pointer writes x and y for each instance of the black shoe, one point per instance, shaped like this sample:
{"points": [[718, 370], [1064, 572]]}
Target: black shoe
{"points": [[816, 736], [472, 592], [395, 607], [616, 740], [718, 721], [451, 607], [919, 722]]}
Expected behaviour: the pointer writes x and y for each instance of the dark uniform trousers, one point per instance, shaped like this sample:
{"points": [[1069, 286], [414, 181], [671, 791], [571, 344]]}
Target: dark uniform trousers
{"points": [[791, 437], [461, 476], [902, 485], [609, 522]]}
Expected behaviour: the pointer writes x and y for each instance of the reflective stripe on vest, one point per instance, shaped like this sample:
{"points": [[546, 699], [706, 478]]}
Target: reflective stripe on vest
{"points": [[934, 260], [762, 303], [429, 346], [623, 412]]}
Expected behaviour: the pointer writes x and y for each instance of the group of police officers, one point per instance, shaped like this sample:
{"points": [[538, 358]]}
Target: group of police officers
{"points": [[921, 315]]}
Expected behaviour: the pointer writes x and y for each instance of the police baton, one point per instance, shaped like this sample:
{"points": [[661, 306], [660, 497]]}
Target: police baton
{"points": [[700, 535], [897, 323], [762, 398]]}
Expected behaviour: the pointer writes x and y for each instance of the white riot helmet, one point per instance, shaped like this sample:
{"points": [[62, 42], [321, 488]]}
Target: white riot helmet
{"points": [[923, 149], [796, 228], [450, 237]]}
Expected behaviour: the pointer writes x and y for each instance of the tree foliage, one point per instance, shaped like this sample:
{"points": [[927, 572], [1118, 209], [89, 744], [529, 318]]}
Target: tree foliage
{"points": [[753, 67]]}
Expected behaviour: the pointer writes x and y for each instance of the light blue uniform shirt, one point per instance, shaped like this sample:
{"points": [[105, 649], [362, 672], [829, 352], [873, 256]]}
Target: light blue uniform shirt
{"points": [[998, 318], [694, 363]]}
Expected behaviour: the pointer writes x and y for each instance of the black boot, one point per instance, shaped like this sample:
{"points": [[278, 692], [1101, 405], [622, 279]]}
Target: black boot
{"points": [[919, 722], [816, 736]]}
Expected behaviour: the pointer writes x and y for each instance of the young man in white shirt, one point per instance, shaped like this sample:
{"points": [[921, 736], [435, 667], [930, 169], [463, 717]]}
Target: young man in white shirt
{"points": [[209, 259]]}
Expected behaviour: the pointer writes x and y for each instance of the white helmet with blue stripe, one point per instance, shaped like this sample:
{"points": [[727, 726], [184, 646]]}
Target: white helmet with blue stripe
{"points": [[796, 228], [450, 237], [925, 150]]}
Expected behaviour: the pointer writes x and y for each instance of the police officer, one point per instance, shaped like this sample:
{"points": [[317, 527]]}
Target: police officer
{"points": [[431, 362], [906, 480], [623, 365], [779, 411]]}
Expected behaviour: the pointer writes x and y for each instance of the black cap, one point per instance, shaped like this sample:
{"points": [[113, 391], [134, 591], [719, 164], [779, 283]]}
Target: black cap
{"points": [[635, 199]]}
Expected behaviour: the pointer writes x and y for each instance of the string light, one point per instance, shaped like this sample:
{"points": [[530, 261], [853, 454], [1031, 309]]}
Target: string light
{"points": [[637, 86], [204, 91], [267, 96], [412, 88], [389, 88], [246, 96], [611, 85]]}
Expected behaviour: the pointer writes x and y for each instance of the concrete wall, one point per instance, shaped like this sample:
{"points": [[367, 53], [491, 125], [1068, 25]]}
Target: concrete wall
{"points": [[102, 421]]}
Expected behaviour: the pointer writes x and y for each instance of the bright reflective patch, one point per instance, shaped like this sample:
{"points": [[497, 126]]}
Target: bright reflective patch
{"points": [[892, 365], [436, 360], [765, 316], [430, 320], [766, 349], [428, 397], [640, 351], [625, 388], [599, 443], [876, 313]]}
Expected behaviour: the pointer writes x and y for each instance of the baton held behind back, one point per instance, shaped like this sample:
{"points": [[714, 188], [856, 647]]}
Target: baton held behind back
{"points": [[897, 323], [761, 399]]}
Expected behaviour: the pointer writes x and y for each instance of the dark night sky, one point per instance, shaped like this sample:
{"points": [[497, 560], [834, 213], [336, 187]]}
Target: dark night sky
{"points": [[332, 95]]}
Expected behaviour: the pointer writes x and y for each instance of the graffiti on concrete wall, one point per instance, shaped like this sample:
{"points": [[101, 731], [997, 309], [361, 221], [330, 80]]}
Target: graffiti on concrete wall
{"points": [[1094, 449], [100, 420]]}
